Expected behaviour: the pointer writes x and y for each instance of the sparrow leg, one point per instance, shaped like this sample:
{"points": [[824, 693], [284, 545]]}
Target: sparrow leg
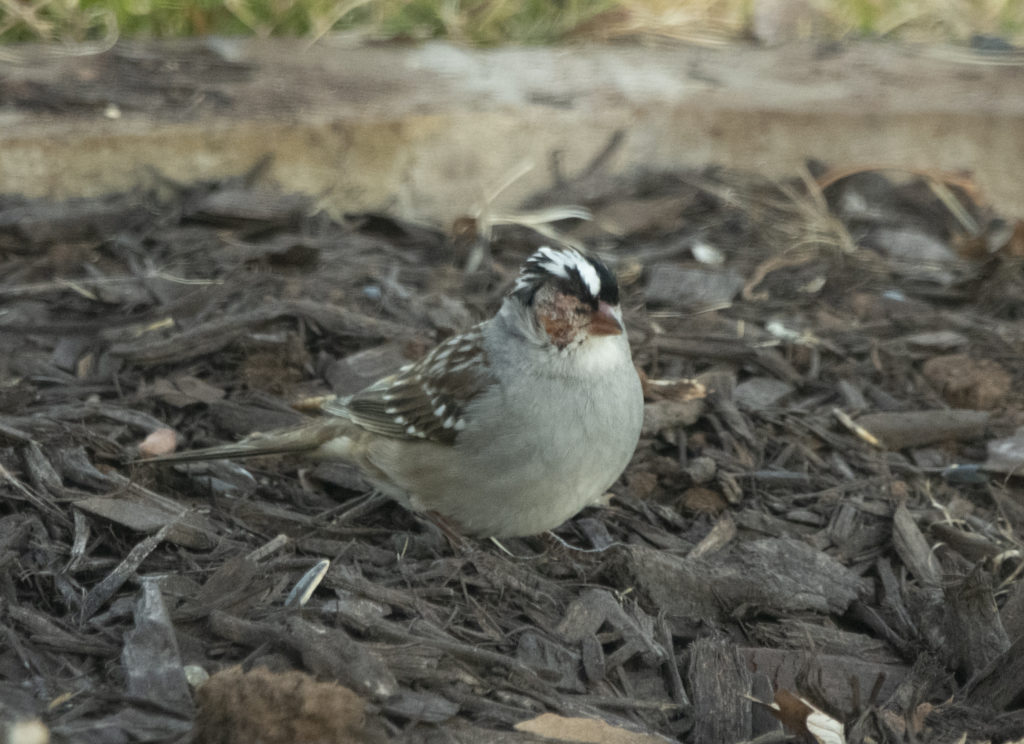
{"points": [[450, 529]]}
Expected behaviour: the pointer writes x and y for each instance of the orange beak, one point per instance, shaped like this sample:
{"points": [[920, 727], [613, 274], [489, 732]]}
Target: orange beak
{"points": [[603, 321]]}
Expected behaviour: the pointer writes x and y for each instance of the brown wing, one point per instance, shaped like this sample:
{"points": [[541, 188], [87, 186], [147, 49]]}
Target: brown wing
{"points": [[425, 400]]}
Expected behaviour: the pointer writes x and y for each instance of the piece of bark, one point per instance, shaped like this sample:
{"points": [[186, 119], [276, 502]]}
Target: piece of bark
{"points": [[93, 409], [332, 653], [241, 420], [843, 682], [74, 465], [45, 632], [355, 371], [1010, 508], [145, 511], [971, 545], [236, 583], [43, 222], [108, 586], [974, 631], [423, 707], [151, 661], [853, 399], [184, 390], [720, 683], [739, 350], [279, 250], [774, 576], [393, 632], [327, 652], [8, 431], [957, 722], [217, 334], [40, 498], [1012, 612], [595, 607], [562, 663], [893, 603], [1001, 684], [899, 429], [672, 673], [762, 720], [41, 473], [913, 548], [419, 665], [822, 638]]}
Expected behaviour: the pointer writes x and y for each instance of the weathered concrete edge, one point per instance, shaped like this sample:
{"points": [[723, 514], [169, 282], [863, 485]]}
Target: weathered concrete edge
{"points": [[435, 128]]}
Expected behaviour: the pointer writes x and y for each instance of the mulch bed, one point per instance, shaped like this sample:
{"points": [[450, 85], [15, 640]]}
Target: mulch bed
{"points": [[836, 517]]}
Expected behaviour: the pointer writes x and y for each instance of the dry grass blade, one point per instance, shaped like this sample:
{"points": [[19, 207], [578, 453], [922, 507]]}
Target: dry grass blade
{"points": [[949, 200], [704, 22], [321, 24], [964, 182], [71, 24]]}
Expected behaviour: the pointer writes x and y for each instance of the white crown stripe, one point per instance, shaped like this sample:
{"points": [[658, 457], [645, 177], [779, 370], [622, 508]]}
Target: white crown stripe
{"points": [[589, 276], [559, 263]]}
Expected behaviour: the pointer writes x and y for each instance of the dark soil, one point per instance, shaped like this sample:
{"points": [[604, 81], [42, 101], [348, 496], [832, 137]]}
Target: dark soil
{"points": [[822, 357]]}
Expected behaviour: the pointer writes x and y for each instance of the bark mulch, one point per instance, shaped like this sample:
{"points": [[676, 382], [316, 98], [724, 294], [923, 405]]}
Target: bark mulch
{"points": [[825, 504]]}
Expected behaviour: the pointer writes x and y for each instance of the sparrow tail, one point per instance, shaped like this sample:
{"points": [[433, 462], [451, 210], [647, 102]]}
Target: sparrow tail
{"points": [[302, 438]]}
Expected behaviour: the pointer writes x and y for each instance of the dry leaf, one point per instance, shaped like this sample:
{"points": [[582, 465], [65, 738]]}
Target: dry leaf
{"points": [[801, 717], [584, 730]]}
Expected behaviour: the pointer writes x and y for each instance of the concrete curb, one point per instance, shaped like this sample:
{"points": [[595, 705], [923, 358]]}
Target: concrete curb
{"points": [[426, 131]]}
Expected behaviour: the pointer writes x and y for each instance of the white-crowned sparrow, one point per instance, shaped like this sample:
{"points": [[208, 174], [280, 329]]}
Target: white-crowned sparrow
{"points": [[506, 430]]}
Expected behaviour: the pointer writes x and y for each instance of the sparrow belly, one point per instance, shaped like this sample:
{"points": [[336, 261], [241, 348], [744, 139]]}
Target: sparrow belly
{"points": [[499, 483]]}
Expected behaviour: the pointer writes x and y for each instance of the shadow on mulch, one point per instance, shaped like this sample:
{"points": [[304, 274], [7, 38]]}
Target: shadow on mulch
{"points": [[838, 519]]}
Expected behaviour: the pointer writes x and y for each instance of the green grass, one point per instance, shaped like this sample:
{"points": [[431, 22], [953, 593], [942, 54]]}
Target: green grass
{"points": [[487, 22], [472, 21]]}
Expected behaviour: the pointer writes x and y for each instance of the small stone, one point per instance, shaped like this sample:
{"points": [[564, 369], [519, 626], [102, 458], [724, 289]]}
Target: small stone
{"points": [[195, 675], [702, 470]]}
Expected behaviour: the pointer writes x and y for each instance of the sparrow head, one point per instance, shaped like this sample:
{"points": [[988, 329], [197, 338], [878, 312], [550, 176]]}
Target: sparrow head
{"points": [[569, 296]]}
